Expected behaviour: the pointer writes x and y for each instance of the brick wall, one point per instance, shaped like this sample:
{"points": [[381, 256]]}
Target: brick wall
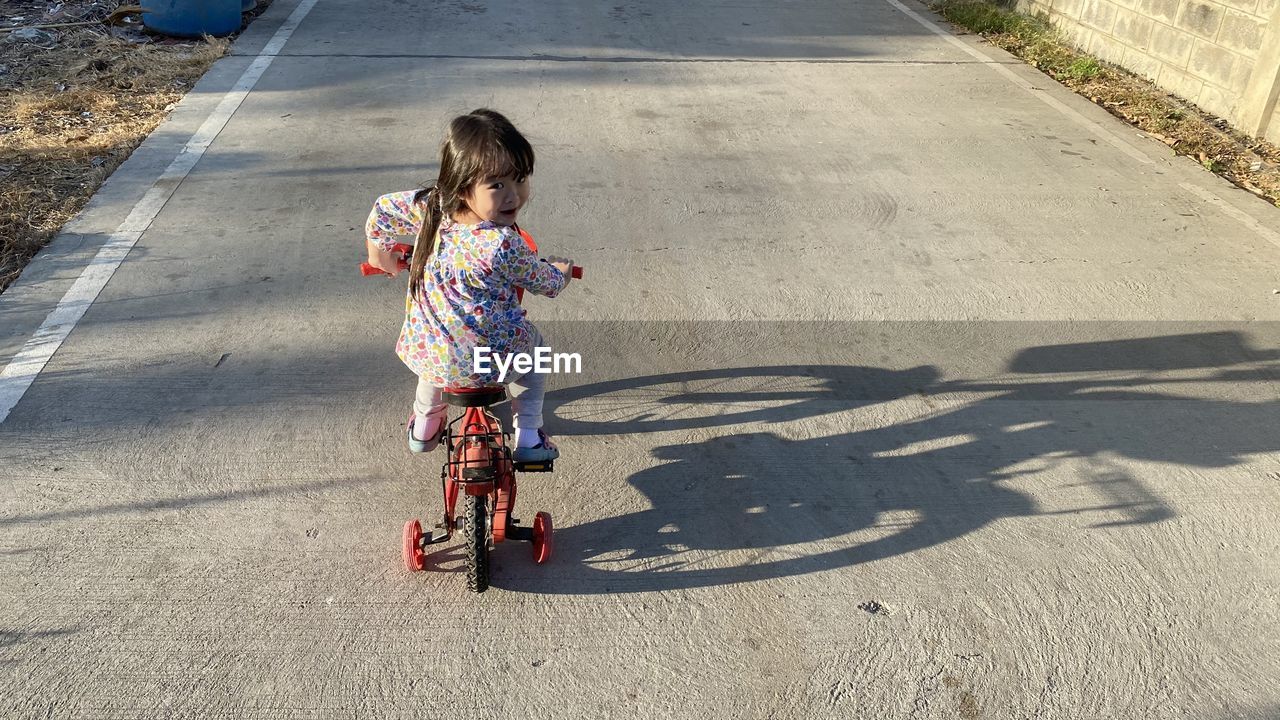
{"points": [[1201, 50]]}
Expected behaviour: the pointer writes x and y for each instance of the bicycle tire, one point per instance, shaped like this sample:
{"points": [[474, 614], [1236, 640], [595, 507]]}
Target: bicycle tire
{"points": [[476, 537]]}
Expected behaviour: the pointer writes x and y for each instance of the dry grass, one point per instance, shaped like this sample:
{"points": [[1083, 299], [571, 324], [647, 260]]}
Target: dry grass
{"points": [[69, 115], [1251, 163]]}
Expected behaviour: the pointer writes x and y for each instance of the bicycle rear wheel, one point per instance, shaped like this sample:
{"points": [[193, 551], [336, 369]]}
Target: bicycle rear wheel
{"points": [[475, 534]]}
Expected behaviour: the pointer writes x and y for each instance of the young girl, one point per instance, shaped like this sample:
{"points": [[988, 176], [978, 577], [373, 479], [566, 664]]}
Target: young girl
{"points": [[468, 261]]}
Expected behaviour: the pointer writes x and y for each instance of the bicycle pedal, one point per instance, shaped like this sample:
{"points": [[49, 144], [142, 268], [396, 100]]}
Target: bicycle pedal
{"points": [[541, 466]]}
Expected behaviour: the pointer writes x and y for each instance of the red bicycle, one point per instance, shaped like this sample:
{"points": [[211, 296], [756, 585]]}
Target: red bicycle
{"points": [[479, 470]]}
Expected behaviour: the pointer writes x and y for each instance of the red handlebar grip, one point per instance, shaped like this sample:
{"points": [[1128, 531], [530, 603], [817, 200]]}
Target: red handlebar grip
{"points": [[401, 249], [576, 272], [366, 269]]}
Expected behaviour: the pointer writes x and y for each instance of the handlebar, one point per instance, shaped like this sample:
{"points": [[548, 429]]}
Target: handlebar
{"points": [[406, 251], [401, 249]]}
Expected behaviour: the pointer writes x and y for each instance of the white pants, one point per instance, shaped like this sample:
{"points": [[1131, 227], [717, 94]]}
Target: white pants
{"points": [[526, 400]]}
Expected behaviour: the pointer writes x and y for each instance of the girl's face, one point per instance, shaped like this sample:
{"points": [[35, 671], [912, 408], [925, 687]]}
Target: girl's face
{"points": [[498, 199]]}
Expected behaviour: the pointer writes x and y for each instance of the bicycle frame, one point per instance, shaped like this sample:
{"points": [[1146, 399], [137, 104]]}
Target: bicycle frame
{"points": [[479, 463]]}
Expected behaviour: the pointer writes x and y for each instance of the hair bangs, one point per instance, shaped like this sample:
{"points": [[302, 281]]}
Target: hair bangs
{"points": [[509, 154], [484, 144]]}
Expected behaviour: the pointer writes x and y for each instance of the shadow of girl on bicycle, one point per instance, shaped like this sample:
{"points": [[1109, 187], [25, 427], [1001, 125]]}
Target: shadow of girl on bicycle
{"points": [[850, 464]]}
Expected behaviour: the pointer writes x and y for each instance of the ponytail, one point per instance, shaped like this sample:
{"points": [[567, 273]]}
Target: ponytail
{"points": [[425, 246]]}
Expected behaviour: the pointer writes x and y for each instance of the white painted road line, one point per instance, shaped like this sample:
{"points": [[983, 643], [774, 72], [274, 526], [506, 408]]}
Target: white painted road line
{"points": [[30, 360]]}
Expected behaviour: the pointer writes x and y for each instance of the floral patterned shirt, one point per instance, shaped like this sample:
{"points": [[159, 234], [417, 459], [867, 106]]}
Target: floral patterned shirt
{"points": [[470, 288]]}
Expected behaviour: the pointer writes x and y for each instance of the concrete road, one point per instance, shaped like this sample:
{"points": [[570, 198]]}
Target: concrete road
{"points": [[914, 386]]}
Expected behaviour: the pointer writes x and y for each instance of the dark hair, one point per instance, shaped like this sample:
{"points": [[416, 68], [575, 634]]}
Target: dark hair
{"points": [[479, 145]]}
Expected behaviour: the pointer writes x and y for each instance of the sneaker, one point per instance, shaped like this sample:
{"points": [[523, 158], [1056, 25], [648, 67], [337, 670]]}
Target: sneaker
{"points": [[542, 452], [422, 446]]}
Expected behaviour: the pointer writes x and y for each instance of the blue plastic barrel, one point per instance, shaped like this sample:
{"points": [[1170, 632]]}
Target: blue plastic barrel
{"points": [[192, 18]]}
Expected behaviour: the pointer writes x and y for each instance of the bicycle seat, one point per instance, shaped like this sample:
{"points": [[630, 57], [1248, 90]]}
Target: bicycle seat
{"points": [[475, 397]]}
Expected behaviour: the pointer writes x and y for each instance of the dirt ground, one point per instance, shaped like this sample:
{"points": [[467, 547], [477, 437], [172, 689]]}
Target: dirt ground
{"points": [[81, 85]]}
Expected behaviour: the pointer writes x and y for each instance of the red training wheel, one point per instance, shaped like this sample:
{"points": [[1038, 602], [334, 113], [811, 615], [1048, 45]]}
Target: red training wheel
{"points": [[542, 537], [415, 558]]}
